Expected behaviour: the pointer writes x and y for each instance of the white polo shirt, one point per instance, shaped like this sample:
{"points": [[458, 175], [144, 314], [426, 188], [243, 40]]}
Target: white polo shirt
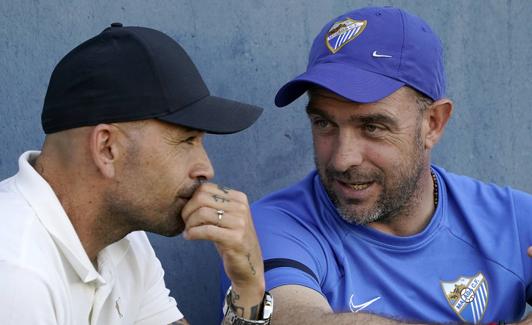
{"points": [[47, 278]]}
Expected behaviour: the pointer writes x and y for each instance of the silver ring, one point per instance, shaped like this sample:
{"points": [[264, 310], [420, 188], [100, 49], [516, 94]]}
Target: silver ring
{"points": [[220, 216]]}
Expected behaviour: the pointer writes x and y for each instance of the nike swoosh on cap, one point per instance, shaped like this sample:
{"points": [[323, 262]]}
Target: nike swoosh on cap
{"points": [[377, 55]]}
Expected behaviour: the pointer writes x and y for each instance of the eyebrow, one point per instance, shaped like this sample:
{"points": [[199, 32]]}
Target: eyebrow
{"points": [[192, 129], [366, 119], [178, 138], [376, 118], [314, 110]]}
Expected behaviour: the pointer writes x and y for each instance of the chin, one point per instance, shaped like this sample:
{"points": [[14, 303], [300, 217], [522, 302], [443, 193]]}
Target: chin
{"points": [[172, 231], [170, 228], [360, 216]]}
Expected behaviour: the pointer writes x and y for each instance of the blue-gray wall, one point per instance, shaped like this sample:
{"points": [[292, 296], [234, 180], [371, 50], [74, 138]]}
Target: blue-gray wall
{"points": [[245, 50]]}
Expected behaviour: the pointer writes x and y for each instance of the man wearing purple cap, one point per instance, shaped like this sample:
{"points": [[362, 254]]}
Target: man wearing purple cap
{"points": [[377, 228]]}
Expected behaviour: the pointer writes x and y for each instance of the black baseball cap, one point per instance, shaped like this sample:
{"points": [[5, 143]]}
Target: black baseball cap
{"points": [[136, 73]]}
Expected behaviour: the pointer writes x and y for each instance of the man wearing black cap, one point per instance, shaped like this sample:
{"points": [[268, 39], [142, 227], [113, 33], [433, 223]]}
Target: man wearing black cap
{"points": [[377, 228], [124, 117]]}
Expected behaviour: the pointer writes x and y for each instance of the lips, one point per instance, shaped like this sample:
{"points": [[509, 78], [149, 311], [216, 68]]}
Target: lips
{"points": [[359, 186], [359, 190], [187, 193]]}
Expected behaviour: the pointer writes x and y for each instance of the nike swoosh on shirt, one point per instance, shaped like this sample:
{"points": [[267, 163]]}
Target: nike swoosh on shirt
{"points": [[356, 308], [377, 55]]}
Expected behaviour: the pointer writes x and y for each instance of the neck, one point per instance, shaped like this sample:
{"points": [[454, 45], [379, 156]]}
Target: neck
{"points": [[82, 203], [415, 218]]}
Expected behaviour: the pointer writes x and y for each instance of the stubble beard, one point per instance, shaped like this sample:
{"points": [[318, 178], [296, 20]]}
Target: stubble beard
{"points": [[397, 198], [141, 214]]}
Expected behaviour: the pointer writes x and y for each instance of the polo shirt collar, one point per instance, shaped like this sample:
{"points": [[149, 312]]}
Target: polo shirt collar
{"points": [[53, 217]]}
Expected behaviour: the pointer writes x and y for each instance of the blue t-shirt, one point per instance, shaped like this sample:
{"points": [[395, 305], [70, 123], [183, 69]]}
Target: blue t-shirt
{"points": [[469, 264]]}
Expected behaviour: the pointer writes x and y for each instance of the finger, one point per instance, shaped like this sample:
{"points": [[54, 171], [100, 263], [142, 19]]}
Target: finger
{"points": [[205, 198], [225, 192], [216, 188], [218, 235], [206, 211], [234, 247], [210, 216], [224, 189], [207, 192], [530, 251]]}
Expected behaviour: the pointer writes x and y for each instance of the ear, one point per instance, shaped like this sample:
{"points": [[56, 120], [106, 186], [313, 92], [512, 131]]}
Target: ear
{"points": [[105, 149], [438, 115]]}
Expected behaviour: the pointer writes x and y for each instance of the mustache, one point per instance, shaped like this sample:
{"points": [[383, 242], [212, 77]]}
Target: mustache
{"points": [[189, 191], [353, 175]]}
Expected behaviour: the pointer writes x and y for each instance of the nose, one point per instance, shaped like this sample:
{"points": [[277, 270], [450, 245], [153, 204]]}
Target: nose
{"points": [[348, 151], [202, 168]]}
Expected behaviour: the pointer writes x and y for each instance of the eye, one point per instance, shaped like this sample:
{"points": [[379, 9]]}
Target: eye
{"points": [[373, 129], [191, 140], [320, 123], [370, 128]]}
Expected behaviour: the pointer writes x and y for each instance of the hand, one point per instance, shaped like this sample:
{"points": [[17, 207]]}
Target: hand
{"points": [[222, 216], [530, 251]]}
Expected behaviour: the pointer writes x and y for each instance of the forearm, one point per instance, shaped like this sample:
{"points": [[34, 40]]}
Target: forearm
{"points": [[311, 316], [222, 215], [296, 305]]}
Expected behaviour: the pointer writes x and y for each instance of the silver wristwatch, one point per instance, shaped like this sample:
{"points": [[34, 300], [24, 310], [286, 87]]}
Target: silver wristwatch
{"points": [[234, 319]]}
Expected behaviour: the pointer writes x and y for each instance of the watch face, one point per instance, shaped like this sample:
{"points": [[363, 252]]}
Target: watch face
{"points": [[267, 308], [234, 319]]}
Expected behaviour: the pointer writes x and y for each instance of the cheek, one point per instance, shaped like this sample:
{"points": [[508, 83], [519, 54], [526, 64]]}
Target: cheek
{"points": [[159, 179], [385, 156], [171, 177], [323, 148]]}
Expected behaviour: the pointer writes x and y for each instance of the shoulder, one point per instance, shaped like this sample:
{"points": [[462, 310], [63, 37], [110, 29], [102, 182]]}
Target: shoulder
{"points": [[12, 202], [142, 276], [294, 212], [301, 213], [24, 239], [295, 200], [481, 196], [291, 227], [26, 296], [18, 276], [493, 219]]}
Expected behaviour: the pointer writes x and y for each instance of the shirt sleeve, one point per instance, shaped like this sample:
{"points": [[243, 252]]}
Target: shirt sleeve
{"points": [[157, 306], [291, 249], [25, 298], [523, 211]]}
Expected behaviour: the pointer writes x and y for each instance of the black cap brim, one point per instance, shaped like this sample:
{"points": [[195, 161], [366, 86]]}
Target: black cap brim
{"points": [[215, 115]]}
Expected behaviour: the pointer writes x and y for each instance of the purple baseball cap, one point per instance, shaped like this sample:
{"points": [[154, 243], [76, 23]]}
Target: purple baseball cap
{"points": [[367, 54]]}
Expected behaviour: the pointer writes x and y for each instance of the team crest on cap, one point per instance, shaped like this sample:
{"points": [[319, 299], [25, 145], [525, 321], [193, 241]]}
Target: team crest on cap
{"points": [[468, 297], [343, 32]]}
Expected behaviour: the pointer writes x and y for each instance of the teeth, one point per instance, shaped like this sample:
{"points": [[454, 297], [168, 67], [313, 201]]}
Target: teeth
{"points": [[358, 187]]}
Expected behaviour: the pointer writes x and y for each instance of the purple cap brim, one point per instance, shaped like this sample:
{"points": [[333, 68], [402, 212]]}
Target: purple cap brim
{"points": [[345, 80]]}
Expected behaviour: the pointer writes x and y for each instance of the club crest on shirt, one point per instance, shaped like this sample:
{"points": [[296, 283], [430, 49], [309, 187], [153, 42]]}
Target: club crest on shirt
{"points": [[467, 296], [343, 32]]}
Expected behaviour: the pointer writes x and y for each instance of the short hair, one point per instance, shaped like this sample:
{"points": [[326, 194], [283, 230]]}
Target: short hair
{"points": [[423, 101]]}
